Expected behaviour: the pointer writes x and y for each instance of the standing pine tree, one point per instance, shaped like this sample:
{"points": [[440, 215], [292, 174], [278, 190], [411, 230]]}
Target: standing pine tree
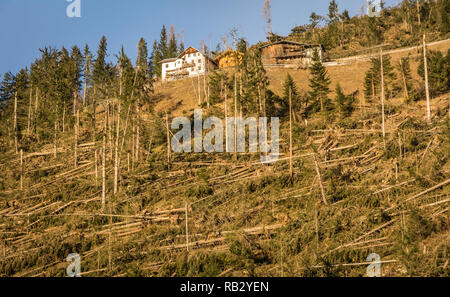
{"points": [[344, 102], [372, 81], [163, 43], [143, 85], [76, 59], [438, 71], [319, 82], [126, 76], [405, 71], [172, 50], [156, 59], [99, 74], [289, 85], [87, 58]]}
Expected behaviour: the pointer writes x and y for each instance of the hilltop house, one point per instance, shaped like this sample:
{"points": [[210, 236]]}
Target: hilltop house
{"points": [[286, 52], [228, 58], [190, 63]]}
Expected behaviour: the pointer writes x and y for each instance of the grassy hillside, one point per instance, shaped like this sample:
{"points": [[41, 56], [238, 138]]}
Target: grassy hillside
{"points": [[226, 215]]}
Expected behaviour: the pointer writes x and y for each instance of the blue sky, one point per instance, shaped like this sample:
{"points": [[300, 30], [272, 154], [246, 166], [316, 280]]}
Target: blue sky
{"points": [[27, 25]]}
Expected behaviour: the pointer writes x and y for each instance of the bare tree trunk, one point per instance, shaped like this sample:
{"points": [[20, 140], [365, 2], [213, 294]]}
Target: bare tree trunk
{"points": [[64, 120], [96, 168], [16, 145], [117, 160], [21, 170], [382, 94], [291, 167], [235, 114], [427, 88], [324, 198], [204, 88], [405, 86], [110, 132], [110, 238], [133, 146], [36, 102], [104, 169], [168, 143], [226, 117], [199, 91], [74, 103], [84, 92], [94, 128], [55, 145], [187, 228], [138, 133], [418, 12], [126, 127], [76, 141], [29, 111], [264, 100]]}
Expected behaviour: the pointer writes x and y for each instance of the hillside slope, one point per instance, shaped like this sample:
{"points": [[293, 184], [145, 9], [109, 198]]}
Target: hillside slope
{"points": [[230, 215]]}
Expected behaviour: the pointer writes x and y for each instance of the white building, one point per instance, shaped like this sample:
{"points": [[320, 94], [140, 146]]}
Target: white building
{"points": [[190, 63]]}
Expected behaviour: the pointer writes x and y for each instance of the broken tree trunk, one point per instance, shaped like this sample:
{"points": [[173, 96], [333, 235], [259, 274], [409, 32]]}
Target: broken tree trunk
{"points": [[96, 168], [104, 168], [15, 124], [29, 111], [21, 170], [427, 88], [168, 143], [187, 229], [405, 86], [55, 144], [126, 127], [138, 132], [382, 94], [291, 167], [235, 114], [117, 161], [76, 138], [418, 12], [322, 190], [64, 119], [36, 103], [226, 117]]}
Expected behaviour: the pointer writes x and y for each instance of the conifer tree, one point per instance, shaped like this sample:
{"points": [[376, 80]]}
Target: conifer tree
{"points": [[372, 81], [345, 102], [319, 82], [99, 74], [76, 63], [87, 59], [156, 59], [172, 50], [404, 69], [438, 71], [143, 85], [290, 87], [163, 43]]}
